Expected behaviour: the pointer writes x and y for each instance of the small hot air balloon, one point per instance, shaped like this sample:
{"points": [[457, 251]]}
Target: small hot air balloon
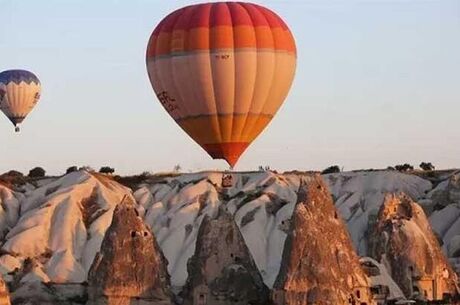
{"points": [[222, 71], [19, 93]]}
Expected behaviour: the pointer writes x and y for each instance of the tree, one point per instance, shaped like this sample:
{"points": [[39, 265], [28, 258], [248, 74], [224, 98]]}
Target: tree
{"points": [[37, 172], [87, 168], [145, 174], [427, 166], [265, 168], [177, 168], [71, 169], [404, 167], [331, 169], [107, 170], [13, 173]]}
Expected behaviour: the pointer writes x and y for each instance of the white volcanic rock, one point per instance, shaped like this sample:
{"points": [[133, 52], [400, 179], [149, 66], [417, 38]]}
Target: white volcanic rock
{"points": [[445, 219], [379, 277], [403, 241], [260, 202], [222, 270], [61, 225], [9, 209], [359, 195]]}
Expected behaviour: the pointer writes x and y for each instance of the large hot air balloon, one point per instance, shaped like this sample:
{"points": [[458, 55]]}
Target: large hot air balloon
{"points": [[222, 71], [19, 92]]}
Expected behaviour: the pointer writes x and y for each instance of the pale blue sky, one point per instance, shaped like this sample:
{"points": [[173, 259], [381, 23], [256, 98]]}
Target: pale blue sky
{"points": [[377, 83]]}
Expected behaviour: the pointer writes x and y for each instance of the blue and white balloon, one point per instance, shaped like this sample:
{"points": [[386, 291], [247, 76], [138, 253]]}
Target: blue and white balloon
{"points": [[19, 93]]}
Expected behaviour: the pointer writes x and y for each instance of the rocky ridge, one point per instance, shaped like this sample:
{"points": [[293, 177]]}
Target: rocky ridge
{"points": [[130, 268], [403, 241], [314, 271], [222, 270], [174, 208]]}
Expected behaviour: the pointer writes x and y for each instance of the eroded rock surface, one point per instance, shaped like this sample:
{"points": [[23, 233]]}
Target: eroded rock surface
{"points": [[130, 268], [319, 265], [4, 294], [222, 270], [403, 240]]}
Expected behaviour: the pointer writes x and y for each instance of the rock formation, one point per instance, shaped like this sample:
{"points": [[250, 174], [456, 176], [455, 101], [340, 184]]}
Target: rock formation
{"points": [[359, 195], [446, 193], [130, 268], [445, 219], [402, 239], [4, 294], [383, 288], [52, 228], [319, 265], [39, 293], [222, 270]]}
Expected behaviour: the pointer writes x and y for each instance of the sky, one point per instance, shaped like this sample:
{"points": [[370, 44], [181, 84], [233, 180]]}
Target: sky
{"points": [[377, 84]]}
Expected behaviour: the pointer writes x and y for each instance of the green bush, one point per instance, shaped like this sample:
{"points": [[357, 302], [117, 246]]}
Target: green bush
{"points": [[107, 170], [71, 169], [331, 169], [37, 172]]}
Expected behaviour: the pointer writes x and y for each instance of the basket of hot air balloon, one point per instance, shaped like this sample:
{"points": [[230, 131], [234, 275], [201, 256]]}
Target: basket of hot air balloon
{"points": [[222, 71], [19, 93]]}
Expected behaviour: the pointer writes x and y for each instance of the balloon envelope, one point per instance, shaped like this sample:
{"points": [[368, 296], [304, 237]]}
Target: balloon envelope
{"points": [[19, 93], [222, 70]]}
